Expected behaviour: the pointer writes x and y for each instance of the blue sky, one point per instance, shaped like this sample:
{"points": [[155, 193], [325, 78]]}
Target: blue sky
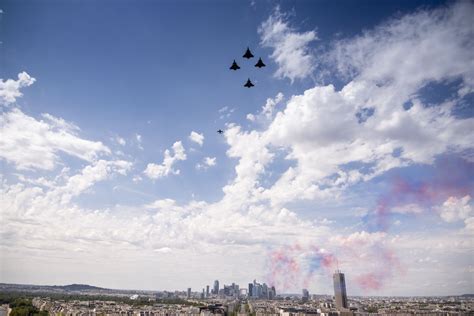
{"points": [[110, 154]]}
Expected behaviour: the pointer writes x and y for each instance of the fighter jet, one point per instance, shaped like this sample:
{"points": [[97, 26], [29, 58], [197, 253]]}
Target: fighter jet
{"points": [[248, 84], [220, 131], [248, 54], [234, 66], [260, 63]]}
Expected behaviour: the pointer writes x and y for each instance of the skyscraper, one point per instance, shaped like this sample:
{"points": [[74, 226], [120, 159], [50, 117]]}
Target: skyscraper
{"points": [[340, 290], [305, 296], [189, 292], [216, 287], [207, 291]]}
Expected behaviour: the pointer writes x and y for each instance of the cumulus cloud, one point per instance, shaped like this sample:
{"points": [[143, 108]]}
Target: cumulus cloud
{"points": [[155, 171], [268, 109], [10, 89], [411, 208], [225, 112], [291, 50], [455, 209], [29, 143], [432, 45], [54, 216], [121, 141], [330, 139], [206, 163], [332, 145], [197, 138], [139, 140]]}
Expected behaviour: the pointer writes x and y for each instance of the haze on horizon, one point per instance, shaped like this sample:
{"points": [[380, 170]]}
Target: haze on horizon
{"points": [[353, 149]]}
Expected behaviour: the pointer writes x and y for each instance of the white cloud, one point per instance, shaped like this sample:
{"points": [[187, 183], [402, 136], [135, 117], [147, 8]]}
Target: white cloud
{"points": [[197, 138], [206, 163], [469, 225], [60, 123], [121, 141], [32, 144], [10, 89], [223, 109], [210, 161], [268, 109], [410, 51], [408, 209], [337, 138], [225, 112], [359, 239], [291, 49], [163, 250], [327, 148], [155, 171], [139, 140], [455, 209]]}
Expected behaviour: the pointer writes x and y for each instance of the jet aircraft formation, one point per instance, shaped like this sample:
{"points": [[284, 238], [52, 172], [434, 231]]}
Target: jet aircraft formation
{"points": [[248, 54]]}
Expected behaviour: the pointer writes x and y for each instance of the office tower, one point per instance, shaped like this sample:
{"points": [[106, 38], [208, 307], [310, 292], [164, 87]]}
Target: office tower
{"points": [[250, 290], [216, 287], [305, 295], [340, 290], [189, 292], [207, 290]]}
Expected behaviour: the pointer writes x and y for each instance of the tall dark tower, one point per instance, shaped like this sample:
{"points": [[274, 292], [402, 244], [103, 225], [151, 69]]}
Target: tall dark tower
{"points": [[340, 290], [216, 287]]}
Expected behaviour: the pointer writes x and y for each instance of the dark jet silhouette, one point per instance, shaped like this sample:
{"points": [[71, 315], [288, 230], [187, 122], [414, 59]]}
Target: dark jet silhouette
{"points": [[248, 84], [260, 63], [248, 54], [220, 131], [234, 66]]}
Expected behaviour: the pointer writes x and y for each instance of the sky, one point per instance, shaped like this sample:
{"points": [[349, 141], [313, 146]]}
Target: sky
{"points": [[354, 150]]}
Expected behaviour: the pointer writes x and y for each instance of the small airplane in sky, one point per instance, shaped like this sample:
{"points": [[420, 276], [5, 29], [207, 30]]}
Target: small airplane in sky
{"points": [[248, 84], [234, 66], [247, 54], [220, 131], [260, 63]]}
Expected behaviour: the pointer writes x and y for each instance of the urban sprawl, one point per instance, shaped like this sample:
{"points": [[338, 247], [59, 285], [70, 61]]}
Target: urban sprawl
{"points": [[252, 300]]}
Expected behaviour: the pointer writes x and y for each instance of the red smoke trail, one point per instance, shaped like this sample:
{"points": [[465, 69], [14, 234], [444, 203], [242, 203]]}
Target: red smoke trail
{"points": [[294, 266], [451, 177], [316, 260], [283, 267], [423, 194], [389, 265]]}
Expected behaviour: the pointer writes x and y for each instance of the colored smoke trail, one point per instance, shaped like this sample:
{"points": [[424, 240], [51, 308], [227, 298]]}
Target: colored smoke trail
{"points": [[401, 192], [283, 267], [389, 264], [318, 259], [370, 262], [294, 266], [450, 178], [424, 194]]}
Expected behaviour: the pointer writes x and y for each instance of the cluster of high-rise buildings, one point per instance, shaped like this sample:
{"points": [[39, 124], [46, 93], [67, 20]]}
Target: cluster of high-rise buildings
{"points": [[255, 290], [261, 291]]}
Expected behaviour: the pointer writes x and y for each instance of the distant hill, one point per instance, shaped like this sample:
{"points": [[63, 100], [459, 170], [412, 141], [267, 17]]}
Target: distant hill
{"points": [[78, 287]]}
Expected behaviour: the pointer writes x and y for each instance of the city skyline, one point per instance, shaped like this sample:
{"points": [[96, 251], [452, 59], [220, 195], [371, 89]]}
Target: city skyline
{"points": [[353, 150]]}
